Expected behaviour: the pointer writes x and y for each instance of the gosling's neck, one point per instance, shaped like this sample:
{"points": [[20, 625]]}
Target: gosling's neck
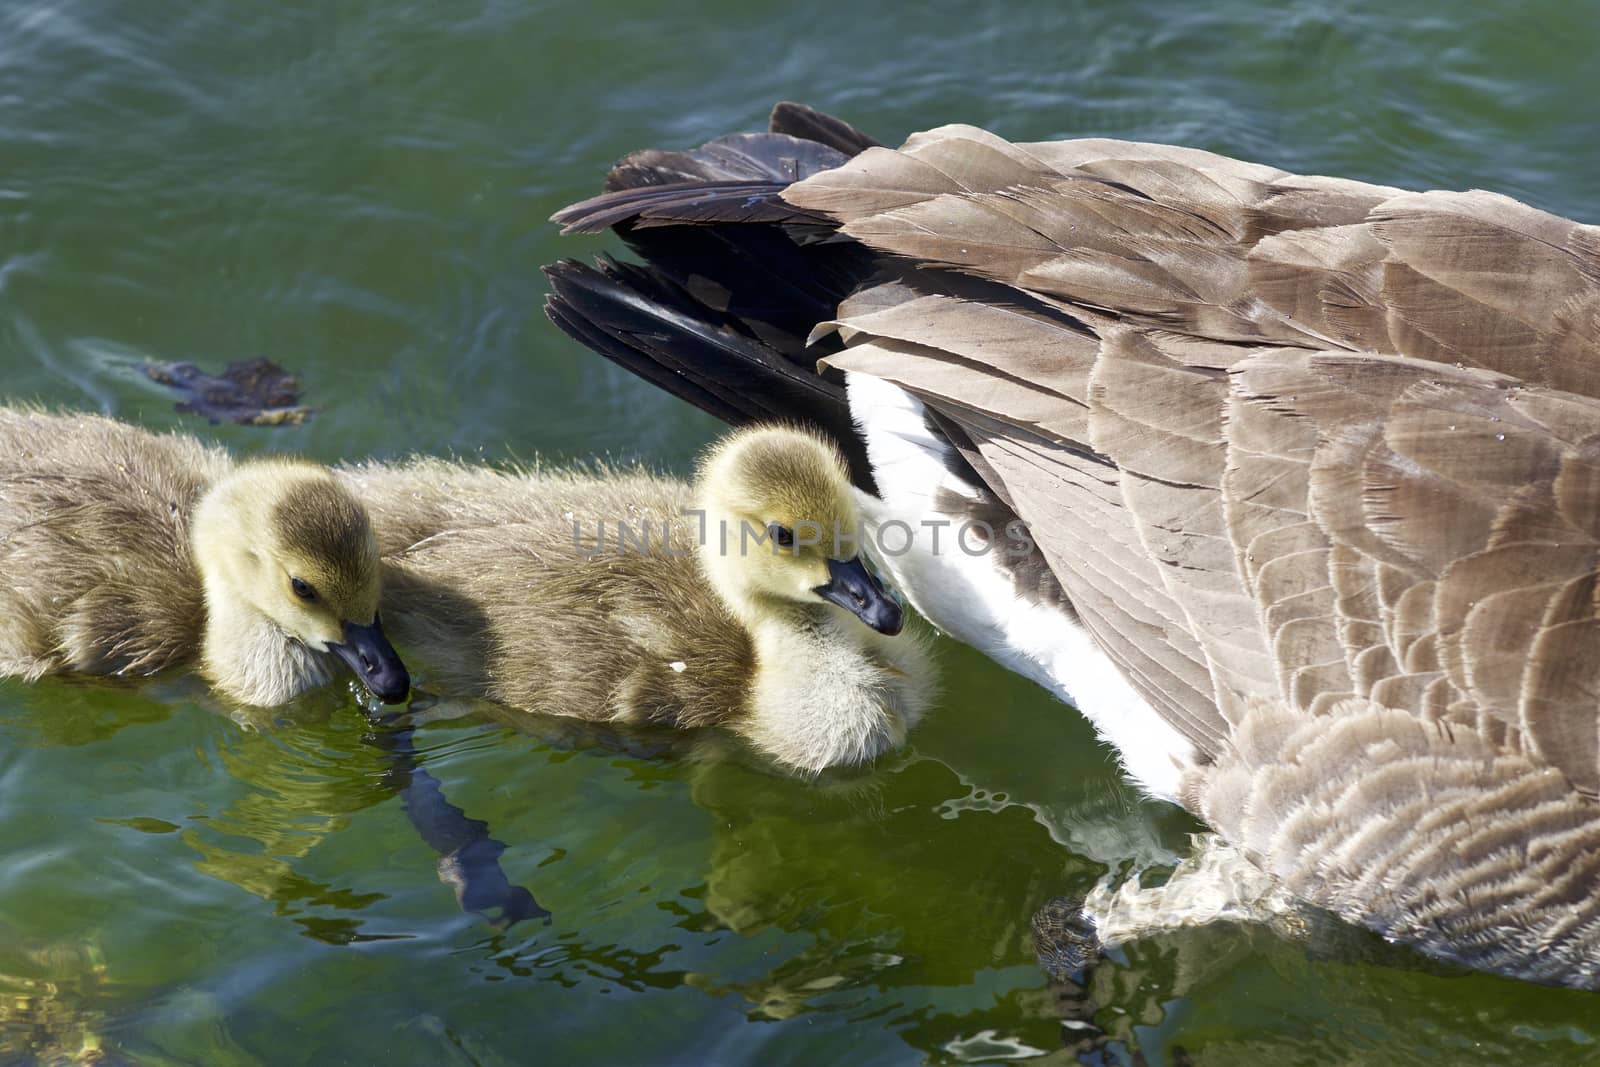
{"points": [[826, 690], [821, 696], [243, 653]]}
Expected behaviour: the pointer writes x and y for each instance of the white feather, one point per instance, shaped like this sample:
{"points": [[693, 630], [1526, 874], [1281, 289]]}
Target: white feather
{"points": [[973, 599]]}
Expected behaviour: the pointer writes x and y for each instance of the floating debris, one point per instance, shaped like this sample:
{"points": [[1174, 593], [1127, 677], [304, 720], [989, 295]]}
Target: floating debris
{"points": [[256, 392]]}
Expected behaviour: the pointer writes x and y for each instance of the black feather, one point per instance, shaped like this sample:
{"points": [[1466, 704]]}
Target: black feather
{"points": [[808, 124], [643, 322], [736, 278], [738, 157], [689, 202]]}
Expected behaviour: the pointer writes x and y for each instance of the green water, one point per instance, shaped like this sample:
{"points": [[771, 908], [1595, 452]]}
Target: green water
{"points": [[358, 190]]}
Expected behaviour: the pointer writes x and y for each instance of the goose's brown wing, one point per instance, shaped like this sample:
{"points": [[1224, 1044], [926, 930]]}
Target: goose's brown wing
{"points": [[1030, 426], [1459, 513], [1150, 565], [1221, 395], [1448, 519]]}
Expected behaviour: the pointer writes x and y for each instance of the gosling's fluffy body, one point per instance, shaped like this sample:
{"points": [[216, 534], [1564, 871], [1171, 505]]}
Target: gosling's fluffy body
{"points": [[124, 552], [98, 577], [519, 587]]}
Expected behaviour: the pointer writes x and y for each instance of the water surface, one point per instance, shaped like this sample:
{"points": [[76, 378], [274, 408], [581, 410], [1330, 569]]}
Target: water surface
{"points": [[358, 190]]}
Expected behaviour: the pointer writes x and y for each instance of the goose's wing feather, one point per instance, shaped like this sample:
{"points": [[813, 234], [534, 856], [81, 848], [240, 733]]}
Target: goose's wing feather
{"points": [[736, 178], [1209, 247], [1458, 510], [1435, 528], [652, 327], [1167, 286], [807, 123], [1031, 433], [1077, 513]]}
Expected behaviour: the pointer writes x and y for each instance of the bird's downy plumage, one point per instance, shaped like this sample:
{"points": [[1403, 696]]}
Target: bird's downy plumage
{"points": [[624, 596]]}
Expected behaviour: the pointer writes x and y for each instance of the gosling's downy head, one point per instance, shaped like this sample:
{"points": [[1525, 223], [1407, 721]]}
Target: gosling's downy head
{"points": [[285, 542], [782, 527]]}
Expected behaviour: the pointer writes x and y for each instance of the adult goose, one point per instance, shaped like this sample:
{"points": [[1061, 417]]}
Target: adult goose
{"points": [[738, 601], [126, 553], [1312, 468]]}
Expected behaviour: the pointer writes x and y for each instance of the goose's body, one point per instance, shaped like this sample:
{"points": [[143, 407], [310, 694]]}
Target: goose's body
{"points": [[128, 553], [1310, 465], [594, 594]]}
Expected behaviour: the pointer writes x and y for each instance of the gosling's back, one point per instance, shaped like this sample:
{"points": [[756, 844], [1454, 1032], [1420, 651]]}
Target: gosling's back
{"points": [[517, 587], [96, 572]]}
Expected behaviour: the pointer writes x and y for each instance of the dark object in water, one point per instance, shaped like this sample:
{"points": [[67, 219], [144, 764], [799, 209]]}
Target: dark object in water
{"points": [[255, 392], [469, 859]]}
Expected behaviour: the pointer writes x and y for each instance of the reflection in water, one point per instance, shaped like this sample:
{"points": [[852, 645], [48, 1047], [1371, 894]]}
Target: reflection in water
{"points": [[812, 860], [55, 1001], [73, 711], [301, 795], [302, 792], [569, 961], [61, 1003], [797, 871], [469, 859], [299, 791], [676, 862], [1178, 997]]}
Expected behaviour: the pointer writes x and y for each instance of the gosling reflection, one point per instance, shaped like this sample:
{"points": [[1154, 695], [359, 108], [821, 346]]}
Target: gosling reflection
{"points": [[304, 780], [469, 859]]}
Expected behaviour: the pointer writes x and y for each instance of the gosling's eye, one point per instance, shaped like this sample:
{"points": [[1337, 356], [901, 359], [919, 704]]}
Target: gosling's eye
{"points": [[302, 589], [781, 534]]}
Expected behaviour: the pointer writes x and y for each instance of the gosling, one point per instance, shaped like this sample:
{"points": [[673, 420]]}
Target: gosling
{"points": [[124, 552], [742, 601]]}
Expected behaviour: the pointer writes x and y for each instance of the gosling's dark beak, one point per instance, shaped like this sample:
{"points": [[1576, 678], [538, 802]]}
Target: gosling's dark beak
{"points": [[373, 659], [858, 591]]}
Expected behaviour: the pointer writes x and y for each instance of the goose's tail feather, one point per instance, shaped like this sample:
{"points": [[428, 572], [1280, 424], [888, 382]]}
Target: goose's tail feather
{"points": [[807, 123], [641, 321], [737, 178], [734, 278]]}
